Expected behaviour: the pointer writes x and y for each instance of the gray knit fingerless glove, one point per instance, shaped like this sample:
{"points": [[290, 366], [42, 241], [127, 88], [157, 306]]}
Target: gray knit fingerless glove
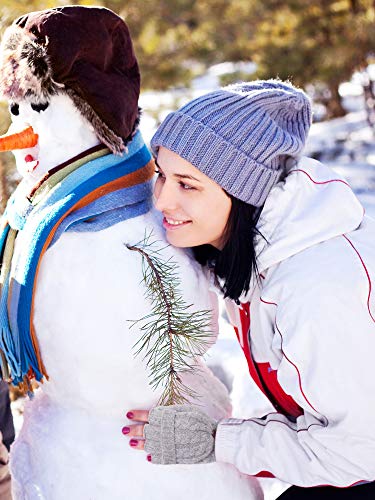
{"points": [[180, 434]]}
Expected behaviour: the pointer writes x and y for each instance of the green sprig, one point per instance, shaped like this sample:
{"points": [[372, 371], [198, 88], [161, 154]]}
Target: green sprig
{"points": [[173, 336]]}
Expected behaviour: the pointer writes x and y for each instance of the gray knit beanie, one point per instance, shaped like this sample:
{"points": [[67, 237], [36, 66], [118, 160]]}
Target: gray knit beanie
{"points": [[240, 135]]}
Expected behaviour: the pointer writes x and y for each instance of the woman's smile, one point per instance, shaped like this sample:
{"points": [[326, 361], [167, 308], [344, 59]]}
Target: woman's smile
{"points": [[171, 224]]}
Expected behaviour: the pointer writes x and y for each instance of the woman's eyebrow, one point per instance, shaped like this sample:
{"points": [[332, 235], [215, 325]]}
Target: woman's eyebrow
{"points": [[184, 176], [179, 176]]}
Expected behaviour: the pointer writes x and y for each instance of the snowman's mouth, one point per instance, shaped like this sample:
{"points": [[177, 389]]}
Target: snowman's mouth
{"points": [[31, 162]]}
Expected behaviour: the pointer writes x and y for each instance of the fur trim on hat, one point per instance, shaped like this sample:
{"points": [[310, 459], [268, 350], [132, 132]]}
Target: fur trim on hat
{"points": [[25, 71], [104, 133]]}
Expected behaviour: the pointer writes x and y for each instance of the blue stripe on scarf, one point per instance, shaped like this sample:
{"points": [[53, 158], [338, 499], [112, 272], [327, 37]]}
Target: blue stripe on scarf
{"points": [[99, 215], [3, 236], [7, 338]]}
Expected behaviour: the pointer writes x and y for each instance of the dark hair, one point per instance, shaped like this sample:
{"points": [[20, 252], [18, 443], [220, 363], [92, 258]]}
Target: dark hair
{"points": [[236, 262]]}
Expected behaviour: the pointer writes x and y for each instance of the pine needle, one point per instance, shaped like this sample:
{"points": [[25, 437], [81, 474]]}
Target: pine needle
{"points": [[173, 336]]}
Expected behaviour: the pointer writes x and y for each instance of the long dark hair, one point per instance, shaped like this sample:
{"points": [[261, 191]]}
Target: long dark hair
{"points": [[236, 262]]}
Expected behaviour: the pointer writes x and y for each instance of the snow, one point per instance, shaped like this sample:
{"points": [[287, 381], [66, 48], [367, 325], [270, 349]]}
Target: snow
{"points": [[73, 425], [212, 77]]}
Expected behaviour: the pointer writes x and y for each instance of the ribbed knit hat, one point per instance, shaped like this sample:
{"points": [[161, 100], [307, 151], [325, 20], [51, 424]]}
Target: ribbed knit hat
{"points": [[240, 135], [85, 52]]}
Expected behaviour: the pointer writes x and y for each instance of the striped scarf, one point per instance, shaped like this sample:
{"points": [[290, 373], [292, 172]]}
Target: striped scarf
{"points": [[88, 193]]}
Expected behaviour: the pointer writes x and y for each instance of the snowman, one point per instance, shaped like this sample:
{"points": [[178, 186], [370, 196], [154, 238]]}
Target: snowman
{"points": [[70, 285]]}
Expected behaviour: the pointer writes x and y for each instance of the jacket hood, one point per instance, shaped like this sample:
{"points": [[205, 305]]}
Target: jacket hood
{"points": [[310, 205]]}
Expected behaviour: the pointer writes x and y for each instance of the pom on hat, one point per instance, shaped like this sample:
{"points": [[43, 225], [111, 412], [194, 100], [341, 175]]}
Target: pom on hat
{"points": [[241, 135], [85, 52]]}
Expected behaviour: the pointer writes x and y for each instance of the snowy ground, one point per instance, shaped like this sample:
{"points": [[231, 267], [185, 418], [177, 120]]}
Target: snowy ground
{"points": [[347, 145]]}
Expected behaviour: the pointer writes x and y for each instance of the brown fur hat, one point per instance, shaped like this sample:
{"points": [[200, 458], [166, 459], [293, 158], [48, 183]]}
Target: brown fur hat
{"points": [[85, 52]]}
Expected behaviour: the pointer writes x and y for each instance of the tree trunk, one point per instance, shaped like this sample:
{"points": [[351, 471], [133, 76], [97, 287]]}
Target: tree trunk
{"points": [[354, 6], [369, 98], [334, 104]]}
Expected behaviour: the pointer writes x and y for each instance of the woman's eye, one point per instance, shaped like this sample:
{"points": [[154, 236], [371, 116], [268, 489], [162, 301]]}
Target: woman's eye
{"points": [[186, 186], [158, 172]]}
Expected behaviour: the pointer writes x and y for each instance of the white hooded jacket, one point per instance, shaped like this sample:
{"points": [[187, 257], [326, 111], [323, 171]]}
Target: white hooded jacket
{"points": [[312, 319]]}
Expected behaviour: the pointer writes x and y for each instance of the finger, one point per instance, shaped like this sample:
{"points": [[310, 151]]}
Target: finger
{"points": [[133, 430], [138, 415], [137, 444]]}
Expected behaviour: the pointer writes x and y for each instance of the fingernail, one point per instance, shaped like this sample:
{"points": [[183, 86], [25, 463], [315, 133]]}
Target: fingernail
{"points": [[149, 458], [125, 430], [133, 442], [130, 415]]}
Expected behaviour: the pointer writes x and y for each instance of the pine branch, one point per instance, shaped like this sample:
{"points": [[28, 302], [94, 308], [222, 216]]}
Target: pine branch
{"points": [[173, 336]]}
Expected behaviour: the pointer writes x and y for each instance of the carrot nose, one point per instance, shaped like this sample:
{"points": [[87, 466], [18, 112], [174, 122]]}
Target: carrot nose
{"points": [[19, 140]]}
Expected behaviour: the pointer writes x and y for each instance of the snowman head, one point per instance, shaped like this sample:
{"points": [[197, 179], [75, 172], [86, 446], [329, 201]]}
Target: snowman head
{"points": [[46, 134], [70, 73]]}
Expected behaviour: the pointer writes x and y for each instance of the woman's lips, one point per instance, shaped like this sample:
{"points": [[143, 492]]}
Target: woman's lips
{"points": [[176, 225]]}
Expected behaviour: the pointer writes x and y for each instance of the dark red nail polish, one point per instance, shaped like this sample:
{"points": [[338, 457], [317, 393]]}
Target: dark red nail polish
{"points": [[130, 415], [125, 430], [133, 442], [149, 458]]}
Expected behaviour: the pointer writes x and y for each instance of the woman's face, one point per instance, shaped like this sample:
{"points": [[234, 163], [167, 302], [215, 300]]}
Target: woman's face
{"points": [[195, 208]]}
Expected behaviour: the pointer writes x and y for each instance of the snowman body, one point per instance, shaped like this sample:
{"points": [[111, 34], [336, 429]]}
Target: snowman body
{"points": [[71, 445]]}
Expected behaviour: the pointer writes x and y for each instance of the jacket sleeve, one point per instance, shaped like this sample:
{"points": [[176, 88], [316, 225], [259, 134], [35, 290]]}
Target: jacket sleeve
{"points": [[325, 345]]}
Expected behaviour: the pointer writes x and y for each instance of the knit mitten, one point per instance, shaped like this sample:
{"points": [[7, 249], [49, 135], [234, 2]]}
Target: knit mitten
{"points": [[180, 434]]}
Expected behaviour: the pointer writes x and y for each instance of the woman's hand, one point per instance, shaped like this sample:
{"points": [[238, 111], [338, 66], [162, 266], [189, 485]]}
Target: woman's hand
{"points": [[179, 434], [136, 431]]}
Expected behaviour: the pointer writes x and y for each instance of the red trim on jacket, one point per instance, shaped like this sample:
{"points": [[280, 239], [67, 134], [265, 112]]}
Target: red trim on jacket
{"points": [[288, 359], [242, 336], [367, 274], [261, 373], [318, 182], [284, 403], [264, 473]]}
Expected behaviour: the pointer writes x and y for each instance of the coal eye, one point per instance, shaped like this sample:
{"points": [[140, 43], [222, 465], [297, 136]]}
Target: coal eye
{"points": [[14, 109], [40, 107]]}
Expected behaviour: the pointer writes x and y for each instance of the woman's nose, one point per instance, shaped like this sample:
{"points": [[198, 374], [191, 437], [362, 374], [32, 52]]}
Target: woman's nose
{"points": [[164, 199]]}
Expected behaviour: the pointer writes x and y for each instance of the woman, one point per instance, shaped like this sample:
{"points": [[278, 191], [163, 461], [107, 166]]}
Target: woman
{"points": [[289, 247]]}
